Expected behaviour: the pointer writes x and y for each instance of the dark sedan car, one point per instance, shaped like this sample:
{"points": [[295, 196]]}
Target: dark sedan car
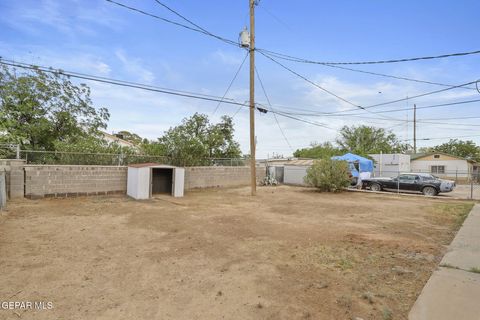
{"points": [[425, 183]]}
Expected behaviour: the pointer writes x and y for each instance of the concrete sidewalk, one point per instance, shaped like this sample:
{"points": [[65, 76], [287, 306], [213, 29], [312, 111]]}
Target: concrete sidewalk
{"points": [[453, 290]]}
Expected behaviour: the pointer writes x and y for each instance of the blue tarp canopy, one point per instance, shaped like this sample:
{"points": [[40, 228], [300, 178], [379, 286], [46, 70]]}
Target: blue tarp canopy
{"points": [[364, 164]]}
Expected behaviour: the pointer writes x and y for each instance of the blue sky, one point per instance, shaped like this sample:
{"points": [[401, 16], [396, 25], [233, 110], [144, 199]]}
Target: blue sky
{"points": [[99, 38]]}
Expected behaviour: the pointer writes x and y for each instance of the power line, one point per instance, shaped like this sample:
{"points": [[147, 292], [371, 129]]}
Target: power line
{"points": [[458, 54], [455, 118], [231, 83], [291, 58], [200, 29], [372, 73], [395, 77], [406, 99], [270, 105], [279, 55], [196, 29], [441, 138], [121, 83], [143, 87], [320, 87], [311, 82], [420, 95], [304, 120], [358, 115], [406, 109], [280, 21]]}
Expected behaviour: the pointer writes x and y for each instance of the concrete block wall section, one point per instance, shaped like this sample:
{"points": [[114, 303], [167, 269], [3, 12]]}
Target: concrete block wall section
{"points": [[38, 181], [70, 181], [207, 177], [14, 176]]}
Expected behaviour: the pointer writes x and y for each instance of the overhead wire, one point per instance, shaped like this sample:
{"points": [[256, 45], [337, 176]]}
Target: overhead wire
{"points": [[270, 105], [311, 82], [196, 29], [371, 73], [231, 83], [292, 58], [121, 83], [410, 108], [441, 138], [133, 85], [320, 87], [442, 56]]}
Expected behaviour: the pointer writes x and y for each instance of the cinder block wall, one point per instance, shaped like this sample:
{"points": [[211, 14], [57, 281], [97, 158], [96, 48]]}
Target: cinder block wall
{"points": [[69, 181], [14, 177], [207, 177]]}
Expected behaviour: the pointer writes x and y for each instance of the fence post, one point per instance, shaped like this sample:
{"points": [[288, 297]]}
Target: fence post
{"points": [[471, 189], [3, 191], [398, 181], [18, 151]]}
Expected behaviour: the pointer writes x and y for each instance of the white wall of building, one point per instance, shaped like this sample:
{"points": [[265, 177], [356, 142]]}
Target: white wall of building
{"points": [[294, 175], [389, 165], [178, 182], [453, 168], [138, 183]]}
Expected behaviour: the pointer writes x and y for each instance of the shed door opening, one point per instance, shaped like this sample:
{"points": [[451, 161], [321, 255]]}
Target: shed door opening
{"points": [[162, 180]]}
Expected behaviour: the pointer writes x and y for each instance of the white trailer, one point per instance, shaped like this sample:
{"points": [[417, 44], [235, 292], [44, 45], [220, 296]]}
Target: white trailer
{"points": [[390, 164]]}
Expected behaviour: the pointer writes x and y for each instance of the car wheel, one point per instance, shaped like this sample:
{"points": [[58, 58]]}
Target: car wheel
{"points": [[429, 191], [376, 187]]}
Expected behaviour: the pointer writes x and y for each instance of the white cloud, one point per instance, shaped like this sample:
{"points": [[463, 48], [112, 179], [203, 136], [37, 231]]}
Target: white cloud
{"points": [[134, 67], [69, 17]]}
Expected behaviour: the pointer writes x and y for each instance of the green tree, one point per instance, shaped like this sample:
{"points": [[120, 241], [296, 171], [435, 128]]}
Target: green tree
{"points": [[317, 151], [154, 148], [39, 109], [196, 139], [363, 140], [465, 149], [328, 175]]}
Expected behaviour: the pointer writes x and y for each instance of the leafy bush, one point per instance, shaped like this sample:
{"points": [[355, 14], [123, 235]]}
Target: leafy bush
{"points": [[328, 175]]}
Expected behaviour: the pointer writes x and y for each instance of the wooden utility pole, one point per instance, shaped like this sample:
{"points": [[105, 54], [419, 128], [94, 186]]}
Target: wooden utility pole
{"points": [[414, 128], [253, 175]]}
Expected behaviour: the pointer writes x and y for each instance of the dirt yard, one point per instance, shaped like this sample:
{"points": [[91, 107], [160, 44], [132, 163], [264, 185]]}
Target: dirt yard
{"points": [[289, 253]]}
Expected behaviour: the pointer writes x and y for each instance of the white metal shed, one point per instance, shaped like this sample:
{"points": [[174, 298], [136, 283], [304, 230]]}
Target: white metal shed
{"points": [[147, 179], [295, 171]]}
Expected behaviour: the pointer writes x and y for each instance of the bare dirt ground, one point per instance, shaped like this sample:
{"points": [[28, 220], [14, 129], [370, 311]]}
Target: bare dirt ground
{"points": [[289, 253]]}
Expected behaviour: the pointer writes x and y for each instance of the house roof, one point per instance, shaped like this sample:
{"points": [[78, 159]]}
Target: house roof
{"points": [[115, 138], [416, 156]]}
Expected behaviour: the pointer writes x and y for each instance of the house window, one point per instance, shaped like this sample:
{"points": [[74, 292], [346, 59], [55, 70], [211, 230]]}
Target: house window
{"points": [[436, 156], [437, 169]]}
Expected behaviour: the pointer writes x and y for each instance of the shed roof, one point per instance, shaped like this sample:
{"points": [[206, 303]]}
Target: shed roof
{"points": [[150, 164], [300, 162]]}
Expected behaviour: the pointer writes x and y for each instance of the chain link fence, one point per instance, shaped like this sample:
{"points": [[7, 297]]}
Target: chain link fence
{"points": [[108, 159], [467, 181]]}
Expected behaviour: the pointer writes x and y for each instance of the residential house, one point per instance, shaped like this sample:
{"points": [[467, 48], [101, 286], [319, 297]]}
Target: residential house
{"points": [[444, 165], [112, 138]]}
